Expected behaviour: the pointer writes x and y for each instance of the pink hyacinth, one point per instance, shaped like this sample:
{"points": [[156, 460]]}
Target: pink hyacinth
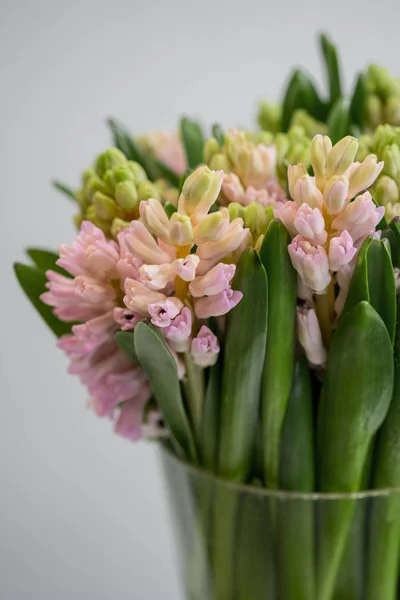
{"points": [[218, 305], [310, 224], [168, 148], [129, 422], [163, 312], [90, 254], [310, 336], [78, 299], [213, 282], [178, 333], [341, 251], [360, 217], [205, 348], [311, 263]]}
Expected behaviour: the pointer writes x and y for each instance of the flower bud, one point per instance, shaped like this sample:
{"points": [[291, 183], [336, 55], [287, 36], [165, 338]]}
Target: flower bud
{"points": [[310, 336], [178, 333], [126, 195], [117, 226], [235, 211], [341, 156], [392, 210], [180, 230], [147, 190], [386, 191], [219, 162], [156, 277], [336, 193], [391, 158], [105, 207], [138, 297], [217, 305], [360, 217], [212, 227], [311, 263], [392, 110], [319, 151], [341, 251], [154, 218], [213, 282], [232, 189], [310, 224], [287, 213], [185, 268], [269, 116], [205, 348], [255, 218], [211, 148], [199, 192], [306, 191], [363, 176], [110, 159], [373, 111]]}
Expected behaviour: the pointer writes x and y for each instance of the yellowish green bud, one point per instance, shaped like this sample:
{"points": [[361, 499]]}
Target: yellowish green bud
{"points": [[199, 192], [269, 116], [235, 210], [147, 190], [211, 147], [310, 126], [219, 162], [341, 156], [373, 111], [181, 231], [117, 226], [386, 191], [110, 159], [208, 228], [126, 195], [138, 172], [391, 158], [105, 207], [392, 210], [255, 219], [392, 110], [320, 149]]}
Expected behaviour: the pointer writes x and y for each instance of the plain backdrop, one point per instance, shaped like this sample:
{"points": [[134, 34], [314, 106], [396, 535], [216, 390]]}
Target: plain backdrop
{"points": [[83, 513]]}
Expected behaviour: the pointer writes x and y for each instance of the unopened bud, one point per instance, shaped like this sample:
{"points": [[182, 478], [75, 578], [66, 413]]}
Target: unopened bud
{"points": [[109, 159], [105, 207], [235, 210], [211, 147], [386, 191], [126, 195], [341, 156], [147, 190], [391, 158]]}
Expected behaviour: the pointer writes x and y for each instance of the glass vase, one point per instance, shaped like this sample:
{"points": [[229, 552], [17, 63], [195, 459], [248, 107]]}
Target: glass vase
{"points": [[242, 542]]}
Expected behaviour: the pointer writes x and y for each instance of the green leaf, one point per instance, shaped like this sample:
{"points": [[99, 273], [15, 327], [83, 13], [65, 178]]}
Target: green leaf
{"points": [[160, 368], [338, 121], [393, 235], [219, 134], [301, 93], [170, 209], [329, 54], [384, 530], [244, 351], [354, 402], [373, 281], [45, 260], [279, 355], [124, 141], [33, 282], [64, 189], [296, 517], [125, 340], [193, 142], [357, 103], [210, 424]]}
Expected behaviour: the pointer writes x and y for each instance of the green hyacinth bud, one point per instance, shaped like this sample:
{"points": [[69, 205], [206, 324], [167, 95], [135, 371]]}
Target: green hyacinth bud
{"points": [[235, 210], [373, 111], [255, 218], [269, 116], [211, 148], [117, 226], [310, 126], [386, 191], [111, 191], [392, 110], [219, 162], [391, 157]]}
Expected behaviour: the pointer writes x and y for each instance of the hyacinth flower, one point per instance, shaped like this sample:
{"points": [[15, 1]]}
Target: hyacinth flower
{"points": [[111, 191], [330, 216], [168, 148], [92, 295], [249, 169]]}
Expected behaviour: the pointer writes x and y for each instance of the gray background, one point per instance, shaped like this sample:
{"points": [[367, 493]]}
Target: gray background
{"points": [[82, 511]]}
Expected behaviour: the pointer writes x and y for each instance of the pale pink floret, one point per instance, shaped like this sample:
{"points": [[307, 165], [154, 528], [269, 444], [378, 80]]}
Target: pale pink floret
{"points": [[310, 224], [125, 318], [168, 148], [213, 282], [287, 213], [78, 299], [336, 194], [138, 297], [156, 277], [360, 217], [90, 254], [341, 251], [232, 188], [215, 306], [144, 247], [129, 422], [164, 311], [310, 336], [216, 250], [178, 333], [155, 219], [311, 263], [343, 278], [127, 265], [185, 268], [205, 348]]}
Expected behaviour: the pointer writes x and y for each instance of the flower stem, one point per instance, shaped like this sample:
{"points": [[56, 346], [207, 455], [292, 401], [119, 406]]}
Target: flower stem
{"points": [[195, 393], [324, 304]]}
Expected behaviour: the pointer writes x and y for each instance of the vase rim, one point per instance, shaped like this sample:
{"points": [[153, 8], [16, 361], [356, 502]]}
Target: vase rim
{"points": [[276, 493]]}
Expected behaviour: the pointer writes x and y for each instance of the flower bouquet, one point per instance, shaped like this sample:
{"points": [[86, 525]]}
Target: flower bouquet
{"points": [[235, 299]]}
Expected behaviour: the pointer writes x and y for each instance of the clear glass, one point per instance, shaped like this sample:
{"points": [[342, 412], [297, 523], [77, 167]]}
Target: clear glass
{"points": [[239, 542]]}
